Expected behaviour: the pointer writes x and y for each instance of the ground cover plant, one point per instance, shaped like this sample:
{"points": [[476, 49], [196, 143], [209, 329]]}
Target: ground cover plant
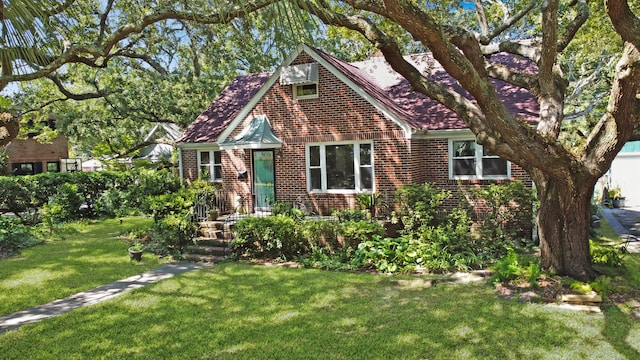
{"points": [[79, 256], [241, 311], [433, 236]]}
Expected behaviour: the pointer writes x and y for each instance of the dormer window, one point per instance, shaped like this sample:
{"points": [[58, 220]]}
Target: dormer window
{"points": [[305, 91], [303, 79]]}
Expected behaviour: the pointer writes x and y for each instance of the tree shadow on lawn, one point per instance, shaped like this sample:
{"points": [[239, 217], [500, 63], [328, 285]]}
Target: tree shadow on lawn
{"points": [[244, 311], [617, 328]]}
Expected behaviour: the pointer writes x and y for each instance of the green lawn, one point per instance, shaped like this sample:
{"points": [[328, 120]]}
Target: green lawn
{"points": [[240, 311], [89, 255]]}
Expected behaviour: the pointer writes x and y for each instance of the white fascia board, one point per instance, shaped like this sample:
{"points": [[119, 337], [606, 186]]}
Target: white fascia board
{"points": [[445, 134], [198, 146], [251, 147]]}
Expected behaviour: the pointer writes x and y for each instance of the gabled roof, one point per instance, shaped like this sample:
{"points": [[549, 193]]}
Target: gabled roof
{"points": [[375, 81], [224, 108]]}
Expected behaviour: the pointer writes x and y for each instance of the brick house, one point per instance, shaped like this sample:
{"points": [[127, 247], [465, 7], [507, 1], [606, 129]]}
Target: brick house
{"points": [[28, 156], [323, 130]]}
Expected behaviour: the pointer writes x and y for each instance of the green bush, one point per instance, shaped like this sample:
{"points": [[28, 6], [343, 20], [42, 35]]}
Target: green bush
{"points": [[355, 232], [405, 254], [273, 237], [14, 236], [605, 254], [351, 215], [287, 209], [419, 207], [173, 232], [103, 193], [17, 196], [509, 217], [64, 206], [516, 267], [322, 236]]}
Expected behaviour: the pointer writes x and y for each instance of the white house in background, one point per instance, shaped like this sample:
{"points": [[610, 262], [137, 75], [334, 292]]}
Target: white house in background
{"points": [[165, 135], [92, 165], [625, 173]]}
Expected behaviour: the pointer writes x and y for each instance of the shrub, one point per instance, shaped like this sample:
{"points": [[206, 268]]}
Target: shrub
{"points": [[605, 254], [322, 236], [64, 206], [105, 193], [17, 197], [419, 207], [516, 267], [386, 254], [351, 215], [176, 203], [287, 209], [509, 217], [173, 232], [406, 254], [355, 232], [14, 236], [273, 237]]}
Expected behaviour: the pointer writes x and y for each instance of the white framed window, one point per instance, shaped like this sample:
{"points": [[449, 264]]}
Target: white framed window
{"points": [[341, 167], [305, 91], [469, 160], [210, 165]]}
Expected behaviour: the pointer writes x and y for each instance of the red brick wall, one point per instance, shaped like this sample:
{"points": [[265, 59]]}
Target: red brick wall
{"points": [[338, 114], [436, 170], [189, 165], [30, 150]]}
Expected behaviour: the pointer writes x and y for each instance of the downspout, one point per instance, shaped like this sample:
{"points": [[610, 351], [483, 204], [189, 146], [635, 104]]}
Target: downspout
{"points": [[180, 166]]}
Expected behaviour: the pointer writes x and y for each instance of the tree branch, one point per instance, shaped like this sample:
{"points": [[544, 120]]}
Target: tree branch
{"points": [[572, 28], [626, 23], [95, 54], [507, 23], [73, 96], [622, 118]]}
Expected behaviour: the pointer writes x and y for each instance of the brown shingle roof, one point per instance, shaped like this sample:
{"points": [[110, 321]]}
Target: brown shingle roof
{"points": [[378, 79], [208, 125]]}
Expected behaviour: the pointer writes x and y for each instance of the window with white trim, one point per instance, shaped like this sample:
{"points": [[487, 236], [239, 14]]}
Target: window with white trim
{"points": [[305, 91], [210, 165], [340, 167], [469, 160]]}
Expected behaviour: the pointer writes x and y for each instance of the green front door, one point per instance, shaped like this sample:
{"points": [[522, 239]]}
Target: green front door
{"points": [[263, 179]]}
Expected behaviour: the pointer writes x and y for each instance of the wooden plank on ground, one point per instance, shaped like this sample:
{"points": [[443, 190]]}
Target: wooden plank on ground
{"points": [[572, 298]]}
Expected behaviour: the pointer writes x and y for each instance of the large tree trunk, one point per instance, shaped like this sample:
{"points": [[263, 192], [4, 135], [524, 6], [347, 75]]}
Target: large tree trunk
{"points": [[564, 219]]}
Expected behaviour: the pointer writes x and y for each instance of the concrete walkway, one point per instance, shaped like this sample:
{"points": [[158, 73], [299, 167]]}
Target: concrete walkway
{"points": [[93, 296], [626, 222]]}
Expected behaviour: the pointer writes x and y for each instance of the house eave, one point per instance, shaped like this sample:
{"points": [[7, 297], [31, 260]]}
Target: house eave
{"points": [[442, 134], [198, 146]]}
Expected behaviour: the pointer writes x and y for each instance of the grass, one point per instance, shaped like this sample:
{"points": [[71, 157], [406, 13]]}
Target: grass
{"points": [[239, 311], [88, 255]]}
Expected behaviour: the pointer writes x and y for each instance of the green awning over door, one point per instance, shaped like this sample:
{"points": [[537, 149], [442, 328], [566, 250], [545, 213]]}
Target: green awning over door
{"points": [[257, 135]]}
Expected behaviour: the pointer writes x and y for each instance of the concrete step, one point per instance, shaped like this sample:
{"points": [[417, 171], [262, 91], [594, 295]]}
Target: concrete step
{"points": [[206, 250], [208, 241], [203, 258]]}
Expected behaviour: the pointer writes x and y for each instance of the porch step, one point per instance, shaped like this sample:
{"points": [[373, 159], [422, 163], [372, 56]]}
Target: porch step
{"points": [[203, 258], [211, 244], [215, 229]]}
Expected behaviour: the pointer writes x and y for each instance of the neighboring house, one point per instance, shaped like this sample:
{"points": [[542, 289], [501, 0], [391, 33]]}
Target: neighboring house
{"points": [[28, 156], [322, 131], [624, 173], [165, 135]]}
